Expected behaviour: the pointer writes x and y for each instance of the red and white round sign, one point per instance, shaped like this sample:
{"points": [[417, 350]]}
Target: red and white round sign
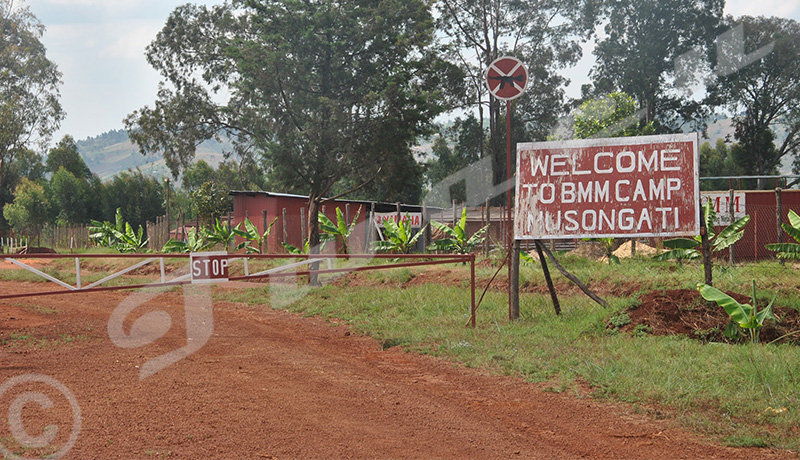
{"points": [[506, 78]]}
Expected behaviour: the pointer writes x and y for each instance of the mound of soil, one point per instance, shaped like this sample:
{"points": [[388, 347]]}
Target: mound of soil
{"points": [[685, 312], [36, 250]]}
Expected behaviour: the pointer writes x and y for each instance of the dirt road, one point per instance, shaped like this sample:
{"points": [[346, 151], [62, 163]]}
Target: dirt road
{"points": [[271, 384]]}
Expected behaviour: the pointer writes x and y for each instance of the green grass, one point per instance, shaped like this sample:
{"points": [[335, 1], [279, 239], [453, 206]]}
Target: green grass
{"points": [[19, 340], [732, 392]]}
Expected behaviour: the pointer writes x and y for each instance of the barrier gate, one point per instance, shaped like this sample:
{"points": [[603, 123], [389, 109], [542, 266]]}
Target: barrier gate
{"points": [[306, 260]]}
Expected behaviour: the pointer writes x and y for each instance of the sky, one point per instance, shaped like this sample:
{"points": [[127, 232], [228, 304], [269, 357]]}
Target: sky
{"points": [[99, 47]]}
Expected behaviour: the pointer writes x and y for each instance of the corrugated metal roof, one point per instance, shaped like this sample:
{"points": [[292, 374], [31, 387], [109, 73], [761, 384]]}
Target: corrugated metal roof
{"points": [[378, 204]]}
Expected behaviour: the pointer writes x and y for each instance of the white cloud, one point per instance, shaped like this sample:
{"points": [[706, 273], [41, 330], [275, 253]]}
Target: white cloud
{"points": [[128, 40], [780, 8], [104, 7]]}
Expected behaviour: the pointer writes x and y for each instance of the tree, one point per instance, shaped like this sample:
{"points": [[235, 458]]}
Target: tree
{"points": [[643, 40], [65, 155], [30, 208], [457, 240], [197, 174], [466, 137], [138, 197], [764, 96], [325, 90], [544, 34], [613, 115], [209, 203], [29, 107], [70, 197], [244, 174], [26, 163], [717, 161]]}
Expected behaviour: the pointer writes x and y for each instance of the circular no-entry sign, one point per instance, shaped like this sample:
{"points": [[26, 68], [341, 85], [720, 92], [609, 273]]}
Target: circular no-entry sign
{"points": [[506, 78]]}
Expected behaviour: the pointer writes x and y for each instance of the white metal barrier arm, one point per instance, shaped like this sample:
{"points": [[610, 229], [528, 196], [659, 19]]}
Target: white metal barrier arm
{"points": [[292, 265], [41, 273], [120, 273]]}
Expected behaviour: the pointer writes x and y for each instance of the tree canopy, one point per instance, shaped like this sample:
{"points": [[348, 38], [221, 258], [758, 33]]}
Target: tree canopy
{"points": [[764, 95], [544, 34], [29, 108], [322, 90], [65, 155], [613, 115], [643, 41]]}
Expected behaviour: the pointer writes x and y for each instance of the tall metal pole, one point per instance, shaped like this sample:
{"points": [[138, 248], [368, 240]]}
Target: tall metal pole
{"points": [[513, 250]]}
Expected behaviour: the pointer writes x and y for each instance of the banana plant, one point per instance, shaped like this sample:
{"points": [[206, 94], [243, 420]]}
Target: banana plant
{"points": [[690, 248], [252, 235], [745, 315], [295, 250], [341, 229], [400, 238], [220, 233], [457, 241], [119, 236], [194, 243], [105, 233], [789, 250]]}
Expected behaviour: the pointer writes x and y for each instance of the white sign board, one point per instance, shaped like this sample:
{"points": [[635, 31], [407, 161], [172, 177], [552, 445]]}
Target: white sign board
{"points": [[721, 202], [414, 217]]}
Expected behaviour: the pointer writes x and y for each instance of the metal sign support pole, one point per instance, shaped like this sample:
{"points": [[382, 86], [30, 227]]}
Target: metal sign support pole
{"points": [[511, 247]]}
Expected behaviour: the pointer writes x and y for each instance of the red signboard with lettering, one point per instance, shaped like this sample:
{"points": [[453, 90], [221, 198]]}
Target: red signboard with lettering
{"points": [[209, 267], [620, 187]]}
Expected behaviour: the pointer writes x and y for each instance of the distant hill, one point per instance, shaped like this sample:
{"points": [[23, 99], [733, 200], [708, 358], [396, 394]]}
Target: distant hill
{"points": [[111, 153]]}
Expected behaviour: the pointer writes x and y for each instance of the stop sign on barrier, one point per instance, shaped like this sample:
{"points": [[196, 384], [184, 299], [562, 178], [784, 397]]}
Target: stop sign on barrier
{"points": [[209, 267]]}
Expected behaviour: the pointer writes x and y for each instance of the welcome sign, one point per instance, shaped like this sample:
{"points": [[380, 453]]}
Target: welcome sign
{"points": [[646, 186]]}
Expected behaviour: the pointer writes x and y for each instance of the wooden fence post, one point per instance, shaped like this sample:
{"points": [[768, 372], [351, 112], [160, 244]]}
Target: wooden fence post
{"points": [[488, 238], [426, 235], [368, 227], [303, 229], [265, 244], [285, 230]]}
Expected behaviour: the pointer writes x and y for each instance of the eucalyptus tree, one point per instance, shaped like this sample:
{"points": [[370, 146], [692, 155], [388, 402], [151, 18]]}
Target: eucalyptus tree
{"points": [[29, 108], [643, 41], [544, 34], [324, 91], [764, 95]]}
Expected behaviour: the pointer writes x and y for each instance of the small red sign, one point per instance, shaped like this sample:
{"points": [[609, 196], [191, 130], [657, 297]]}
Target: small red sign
{"points": [[209, 267], [507, 78]]}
